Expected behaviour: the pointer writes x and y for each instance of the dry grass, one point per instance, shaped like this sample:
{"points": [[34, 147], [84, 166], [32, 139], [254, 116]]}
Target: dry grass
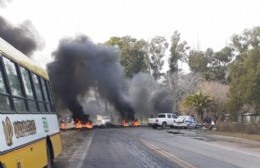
{"points": [[241, 135], [241, 130]]}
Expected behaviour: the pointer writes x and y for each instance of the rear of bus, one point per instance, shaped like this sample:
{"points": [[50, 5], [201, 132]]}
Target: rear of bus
{"points": [[29, 131]]}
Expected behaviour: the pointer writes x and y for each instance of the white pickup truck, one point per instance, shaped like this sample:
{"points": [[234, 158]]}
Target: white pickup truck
{"points": [[102, 121], [163, 120]]}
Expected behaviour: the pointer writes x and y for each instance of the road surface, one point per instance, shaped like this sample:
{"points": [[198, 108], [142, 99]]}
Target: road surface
{"points": [[147, 148]]}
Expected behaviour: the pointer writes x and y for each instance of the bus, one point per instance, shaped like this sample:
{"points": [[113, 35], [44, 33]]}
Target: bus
{"points": [[29, 129]]}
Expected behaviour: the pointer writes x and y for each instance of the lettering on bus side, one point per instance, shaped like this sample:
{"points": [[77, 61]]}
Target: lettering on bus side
{"points": [[45, 124], [19, 128], [8, 131], [24, 128]]}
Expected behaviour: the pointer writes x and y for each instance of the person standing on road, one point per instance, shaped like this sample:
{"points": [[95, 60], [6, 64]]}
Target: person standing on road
{"points": [[213, 122]]}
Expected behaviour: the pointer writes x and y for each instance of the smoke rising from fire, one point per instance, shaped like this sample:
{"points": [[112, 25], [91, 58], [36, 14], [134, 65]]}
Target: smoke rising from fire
{"points": [[147, 97], [24, 37], [80, 64]]}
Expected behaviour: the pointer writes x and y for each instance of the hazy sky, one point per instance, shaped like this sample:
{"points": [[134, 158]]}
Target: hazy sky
{"points": [[209, 23]]}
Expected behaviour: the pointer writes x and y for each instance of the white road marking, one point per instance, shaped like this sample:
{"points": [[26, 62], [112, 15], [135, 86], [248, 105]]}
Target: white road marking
{"points": [[85, 153], [73, 156], [168, 155], [79, 156]]}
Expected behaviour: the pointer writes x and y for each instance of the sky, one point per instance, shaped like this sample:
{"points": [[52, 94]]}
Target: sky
{"points": [[202, 23]]}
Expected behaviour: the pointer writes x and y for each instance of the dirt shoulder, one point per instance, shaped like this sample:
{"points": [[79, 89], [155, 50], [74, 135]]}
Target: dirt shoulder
{"points": [[235, 143], [72, 139]]}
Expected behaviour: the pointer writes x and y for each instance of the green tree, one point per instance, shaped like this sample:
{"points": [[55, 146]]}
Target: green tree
{"points": [[219, 62], [156, 50], [212, 65], [256, 92], [244, 72], [250, 38], [198, 61], [198, 102], [133, 54], [245, 82], [178, 51]]}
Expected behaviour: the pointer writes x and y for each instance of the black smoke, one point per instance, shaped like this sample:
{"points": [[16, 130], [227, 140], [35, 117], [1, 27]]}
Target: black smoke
{"points": [[80, 64], [148, 97], [162, 101], [24, 37]]}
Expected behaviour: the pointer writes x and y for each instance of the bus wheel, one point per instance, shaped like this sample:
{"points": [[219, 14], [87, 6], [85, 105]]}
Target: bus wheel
{"points": [[49, 159]]}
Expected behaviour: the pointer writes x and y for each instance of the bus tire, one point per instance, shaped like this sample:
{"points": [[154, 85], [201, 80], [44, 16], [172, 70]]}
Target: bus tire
{"points": [[2, 165], [49, 158]]}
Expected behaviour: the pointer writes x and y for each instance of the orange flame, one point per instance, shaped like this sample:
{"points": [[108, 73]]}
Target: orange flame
{"points": [[135, 123], [89, 125], [124, 123], [62, 126], [79, 125]]}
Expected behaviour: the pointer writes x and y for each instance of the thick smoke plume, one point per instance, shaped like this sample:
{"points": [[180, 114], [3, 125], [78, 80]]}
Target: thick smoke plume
{"points": [[147, 97], [24, 37], [80, 64]]}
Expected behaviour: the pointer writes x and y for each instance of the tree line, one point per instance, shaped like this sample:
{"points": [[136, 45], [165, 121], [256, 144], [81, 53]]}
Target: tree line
{"points": [[236, 65]]}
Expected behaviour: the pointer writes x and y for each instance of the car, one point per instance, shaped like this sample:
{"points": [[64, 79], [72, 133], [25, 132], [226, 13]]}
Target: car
{"points": [[185, 122], [163, 120], [102, 121]]}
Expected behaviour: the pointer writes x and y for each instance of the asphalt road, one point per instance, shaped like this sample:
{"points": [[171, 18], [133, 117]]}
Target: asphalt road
{"points": [[148, 148]]}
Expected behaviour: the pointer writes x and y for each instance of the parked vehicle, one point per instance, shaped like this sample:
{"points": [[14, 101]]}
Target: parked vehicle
{"points": [[163, 120], [102, 121], [185, 122]]}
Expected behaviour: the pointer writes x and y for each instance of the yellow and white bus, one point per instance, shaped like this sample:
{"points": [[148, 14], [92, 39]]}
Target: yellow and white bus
{"points": [[29, 130]]}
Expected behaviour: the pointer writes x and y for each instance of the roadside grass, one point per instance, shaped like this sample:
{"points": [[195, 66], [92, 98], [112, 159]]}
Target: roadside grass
{"points": [[240, 130]]}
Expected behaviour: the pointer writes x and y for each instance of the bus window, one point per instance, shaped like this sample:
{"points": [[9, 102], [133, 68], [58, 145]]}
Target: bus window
{"points": [[32, 106], [4, 98], [2, 85], [15, 85], [4, 104], [27, 83], [13, 78], [49, 91], [19, 105], [46, 95], [38, 91], [37, 87], [51, 97], [28, 90]]}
